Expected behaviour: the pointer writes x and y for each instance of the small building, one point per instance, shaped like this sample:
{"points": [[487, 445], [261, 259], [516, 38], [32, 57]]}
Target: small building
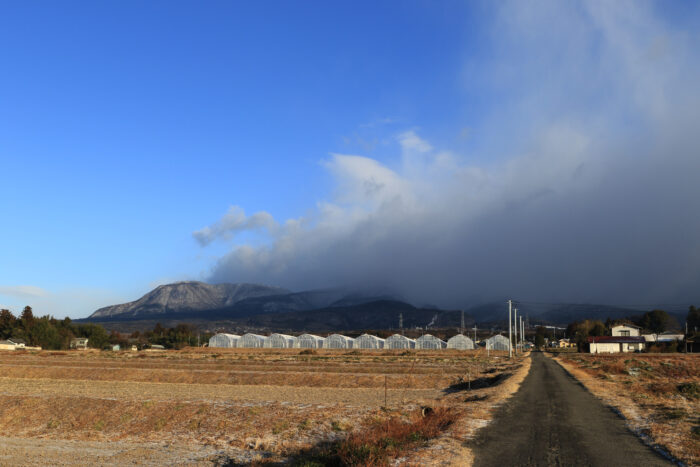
{"points": [[460, 342], [157, 347], [115, 348], [251, 341], [309, 341], [279, 341], [134, 348], [368, 341], [497, 342], [664, 337], [79, 343], [397, 341], [19, 342], [625, 330], [430, 342], [565, 343], [7, 345], [224, 341], [615, 344]]}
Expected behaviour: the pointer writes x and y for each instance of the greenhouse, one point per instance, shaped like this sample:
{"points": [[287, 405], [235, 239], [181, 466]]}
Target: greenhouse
{"points": [[279, 341], [309, 341], [251, 341], [397, 341], [225, 341], [368, 341], [338, 341], [431, 342], [460, 342], [497, 342]]}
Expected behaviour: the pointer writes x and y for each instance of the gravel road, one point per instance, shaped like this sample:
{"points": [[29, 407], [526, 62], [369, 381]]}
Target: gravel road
{"points": [[552, 420]]}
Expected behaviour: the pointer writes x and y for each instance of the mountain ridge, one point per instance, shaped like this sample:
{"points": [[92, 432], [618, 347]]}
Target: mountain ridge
{"points": [[187, 296]]}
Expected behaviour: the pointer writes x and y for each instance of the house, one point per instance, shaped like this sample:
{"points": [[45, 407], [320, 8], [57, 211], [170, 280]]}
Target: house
{"points": [[13, 343], [615, 344], [7, 345], [565, 344], [80, 343], [625, 330]]}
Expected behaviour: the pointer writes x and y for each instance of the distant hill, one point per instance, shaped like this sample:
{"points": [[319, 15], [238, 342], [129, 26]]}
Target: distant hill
{"points": [[205, 302], [379, 314], [257, 306], [555, 314], [186, 297]]}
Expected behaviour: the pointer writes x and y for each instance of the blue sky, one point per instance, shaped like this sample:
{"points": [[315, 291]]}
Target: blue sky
{"points": [[127, 127]]}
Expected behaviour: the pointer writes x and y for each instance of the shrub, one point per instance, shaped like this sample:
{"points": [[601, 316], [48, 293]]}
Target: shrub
{"points": [[377, 443], [689, 390]]}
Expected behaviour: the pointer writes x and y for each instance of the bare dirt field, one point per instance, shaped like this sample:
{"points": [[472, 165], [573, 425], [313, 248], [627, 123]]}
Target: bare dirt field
{"points": [[242, 406], [658, 394]]}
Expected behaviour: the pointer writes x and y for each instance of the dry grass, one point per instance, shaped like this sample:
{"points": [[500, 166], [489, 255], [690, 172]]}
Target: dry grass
{"points": [[250, 404], [380, 441], [659, 395]]}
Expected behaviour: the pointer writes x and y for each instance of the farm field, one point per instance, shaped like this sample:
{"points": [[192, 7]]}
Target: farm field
{"points": [[241, 406], [658, 394]]}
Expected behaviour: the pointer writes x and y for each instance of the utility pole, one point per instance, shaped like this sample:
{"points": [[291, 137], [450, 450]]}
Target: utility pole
{"points": [[475, 334], [510, 325], [515, 325], [401, 322], [461, 330], [522, 342]]}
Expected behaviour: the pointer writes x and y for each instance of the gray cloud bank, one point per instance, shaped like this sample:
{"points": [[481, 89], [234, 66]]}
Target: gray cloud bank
{"points": [[592, 195]]}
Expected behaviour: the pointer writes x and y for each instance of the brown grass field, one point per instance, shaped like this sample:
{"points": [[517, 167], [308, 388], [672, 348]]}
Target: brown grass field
{"points": [[242, 406], [659, 395]]}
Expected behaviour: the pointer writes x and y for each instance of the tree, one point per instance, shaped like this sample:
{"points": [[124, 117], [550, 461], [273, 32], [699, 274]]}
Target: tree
{"points": [[580, 330], [693, 319], [656, 321], [96, 334], [27, 317], [7, 323], [539, 340], [597, 329]]}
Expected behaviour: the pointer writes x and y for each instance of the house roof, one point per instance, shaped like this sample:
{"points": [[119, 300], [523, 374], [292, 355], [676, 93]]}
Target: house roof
{"points": [[626, 325], [616, 339], [17, 340]]}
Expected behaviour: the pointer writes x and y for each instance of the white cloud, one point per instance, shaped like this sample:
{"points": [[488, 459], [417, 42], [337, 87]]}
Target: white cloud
{"points": [[411, 142], [233, 222], [22, 291]]}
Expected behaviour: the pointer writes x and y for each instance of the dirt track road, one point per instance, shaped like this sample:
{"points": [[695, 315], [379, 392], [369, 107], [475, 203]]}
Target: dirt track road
{"points": [[552, 420]]}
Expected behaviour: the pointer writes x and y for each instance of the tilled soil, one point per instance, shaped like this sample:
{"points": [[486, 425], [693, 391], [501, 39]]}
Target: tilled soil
{"points": [[210, 392]]}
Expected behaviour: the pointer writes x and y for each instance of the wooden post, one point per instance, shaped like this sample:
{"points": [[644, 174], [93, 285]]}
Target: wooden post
{"points": [[385, 406]]}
